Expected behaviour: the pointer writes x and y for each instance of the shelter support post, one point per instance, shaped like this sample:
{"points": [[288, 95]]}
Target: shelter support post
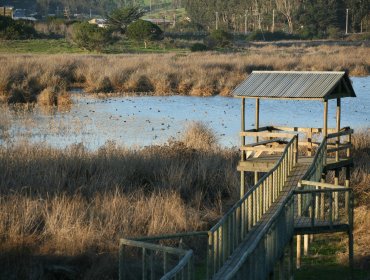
{"points": [[338, 129]]}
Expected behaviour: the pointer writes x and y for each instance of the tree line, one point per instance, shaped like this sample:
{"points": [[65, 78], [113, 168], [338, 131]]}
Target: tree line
{"points": [[315, 17]]}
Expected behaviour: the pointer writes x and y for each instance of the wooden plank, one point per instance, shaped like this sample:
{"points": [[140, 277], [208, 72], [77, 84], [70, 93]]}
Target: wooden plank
{"points": [[264, 149], [320, 184], [339, 148], [268, 134], [265, 143], [347, 131]]}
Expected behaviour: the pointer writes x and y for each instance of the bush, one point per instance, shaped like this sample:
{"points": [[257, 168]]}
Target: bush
{"points": [[16, 29], [90, 36], [269, 36], [142, 30], [219, 38], [198, 47], [334, 33]]}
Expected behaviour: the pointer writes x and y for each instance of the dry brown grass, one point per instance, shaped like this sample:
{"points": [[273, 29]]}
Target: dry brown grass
{"points": [[23, 77], [76, 204]]}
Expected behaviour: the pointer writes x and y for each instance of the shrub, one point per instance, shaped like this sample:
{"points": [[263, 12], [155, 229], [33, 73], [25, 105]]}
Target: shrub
{"points": [[15, 30], [142, 30], [220, 38], [269, 36], [198, 47], [334, 33], [90, 36]]}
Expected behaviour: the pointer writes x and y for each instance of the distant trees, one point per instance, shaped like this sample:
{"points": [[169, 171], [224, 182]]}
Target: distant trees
{"points": [[144, 31], [313, 17], [90, 36], [119, 19]]}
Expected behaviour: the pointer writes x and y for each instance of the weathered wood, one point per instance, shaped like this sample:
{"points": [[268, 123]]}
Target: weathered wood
{"points": [[325, 129], [338, 129], [338, 148], [320, 184], [257, 117], [268, 134], [264, 149], [243, 127]]}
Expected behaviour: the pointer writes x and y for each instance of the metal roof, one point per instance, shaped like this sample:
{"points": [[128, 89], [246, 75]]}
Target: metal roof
{"points": [[295, 85]]}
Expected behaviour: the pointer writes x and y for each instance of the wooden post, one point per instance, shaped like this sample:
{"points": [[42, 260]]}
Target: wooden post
{"points": [[325, 130], [243, 156], [348, 177], [257, 117], [305, 244], [336, 202], [338, 129], [257, 125], [299, 251], [309, 138], [350, 233]]}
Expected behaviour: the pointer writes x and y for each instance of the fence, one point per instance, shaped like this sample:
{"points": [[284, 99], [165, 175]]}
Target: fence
{"points": [[153, 257]]}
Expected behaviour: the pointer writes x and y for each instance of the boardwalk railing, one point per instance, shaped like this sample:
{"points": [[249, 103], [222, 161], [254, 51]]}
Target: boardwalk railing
{"points": [[153, 257], [319, 203], [235, 225], [322, 210]]}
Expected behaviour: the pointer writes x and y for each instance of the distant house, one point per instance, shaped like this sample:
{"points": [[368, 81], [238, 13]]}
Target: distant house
{"points": [[6, 11], [99, 22]]}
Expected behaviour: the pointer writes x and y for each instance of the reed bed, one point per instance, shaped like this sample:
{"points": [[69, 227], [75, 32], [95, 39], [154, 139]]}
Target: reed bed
{"points": [[24, 77]]}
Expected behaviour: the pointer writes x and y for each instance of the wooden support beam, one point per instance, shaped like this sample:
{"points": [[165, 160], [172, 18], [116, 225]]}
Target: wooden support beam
{"points": [[257, 119], [336, 199], [305, 244], [338, 129], [325, 130], [243, 127], [347, 182], [299, 252]]}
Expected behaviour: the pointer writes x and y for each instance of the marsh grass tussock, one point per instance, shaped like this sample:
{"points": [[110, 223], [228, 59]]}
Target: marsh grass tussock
{"points": [[23, 77]]}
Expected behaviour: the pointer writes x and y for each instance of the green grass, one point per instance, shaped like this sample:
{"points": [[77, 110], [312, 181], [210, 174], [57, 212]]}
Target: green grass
{"points": [[46, 46], [52, 46], [322, 261]]}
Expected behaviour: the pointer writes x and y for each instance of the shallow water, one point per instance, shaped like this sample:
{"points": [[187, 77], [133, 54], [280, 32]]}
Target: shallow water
{"points": [[146, 120]]}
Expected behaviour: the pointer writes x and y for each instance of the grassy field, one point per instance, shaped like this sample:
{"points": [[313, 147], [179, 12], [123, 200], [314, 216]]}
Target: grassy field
{"points": [[63, 211], [24, 77]]}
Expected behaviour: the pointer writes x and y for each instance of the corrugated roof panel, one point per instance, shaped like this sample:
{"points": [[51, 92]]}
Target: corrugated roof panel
{"points": [[294, 84]]}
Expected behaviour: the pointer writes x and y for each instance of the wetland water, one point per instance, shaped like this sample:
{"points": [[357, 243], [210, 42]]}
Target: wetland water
{"points": [[146, 120]]}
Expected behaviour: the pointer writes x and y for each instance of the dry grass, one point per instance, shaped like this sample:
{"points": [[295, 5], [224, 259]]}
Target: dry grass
{"points": [[23, 77], [73, 202], [71, 206]]}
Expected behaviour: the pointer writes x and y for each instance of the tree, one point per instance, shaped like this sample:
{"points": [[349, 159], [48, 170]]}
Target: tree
{"points": [[90, 36], [142, 30], [287, 8], [119, 19]]}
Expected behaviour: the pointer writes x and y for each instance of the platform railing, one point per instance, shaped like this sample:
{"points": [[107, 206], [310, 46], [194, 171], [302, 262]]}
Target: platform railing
{"points": [[326, 205], [235, 225]]}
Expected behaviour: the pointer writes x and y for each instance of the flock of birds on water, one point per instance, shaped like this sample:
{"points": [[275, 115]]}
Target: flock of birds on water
{"points": [[151, 114]]}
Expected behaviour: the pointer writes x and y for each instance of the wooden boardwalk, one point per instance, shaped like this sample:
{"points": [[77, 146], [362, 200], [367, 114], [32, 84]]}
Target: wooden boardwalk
{"points": [[292, 181]]}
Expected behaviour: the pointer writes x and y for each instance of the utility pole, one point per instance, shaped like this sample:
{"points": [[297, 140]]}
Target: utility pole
{"points": [[273, 21], [246, 22], [216, 20], [346, 21]]}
